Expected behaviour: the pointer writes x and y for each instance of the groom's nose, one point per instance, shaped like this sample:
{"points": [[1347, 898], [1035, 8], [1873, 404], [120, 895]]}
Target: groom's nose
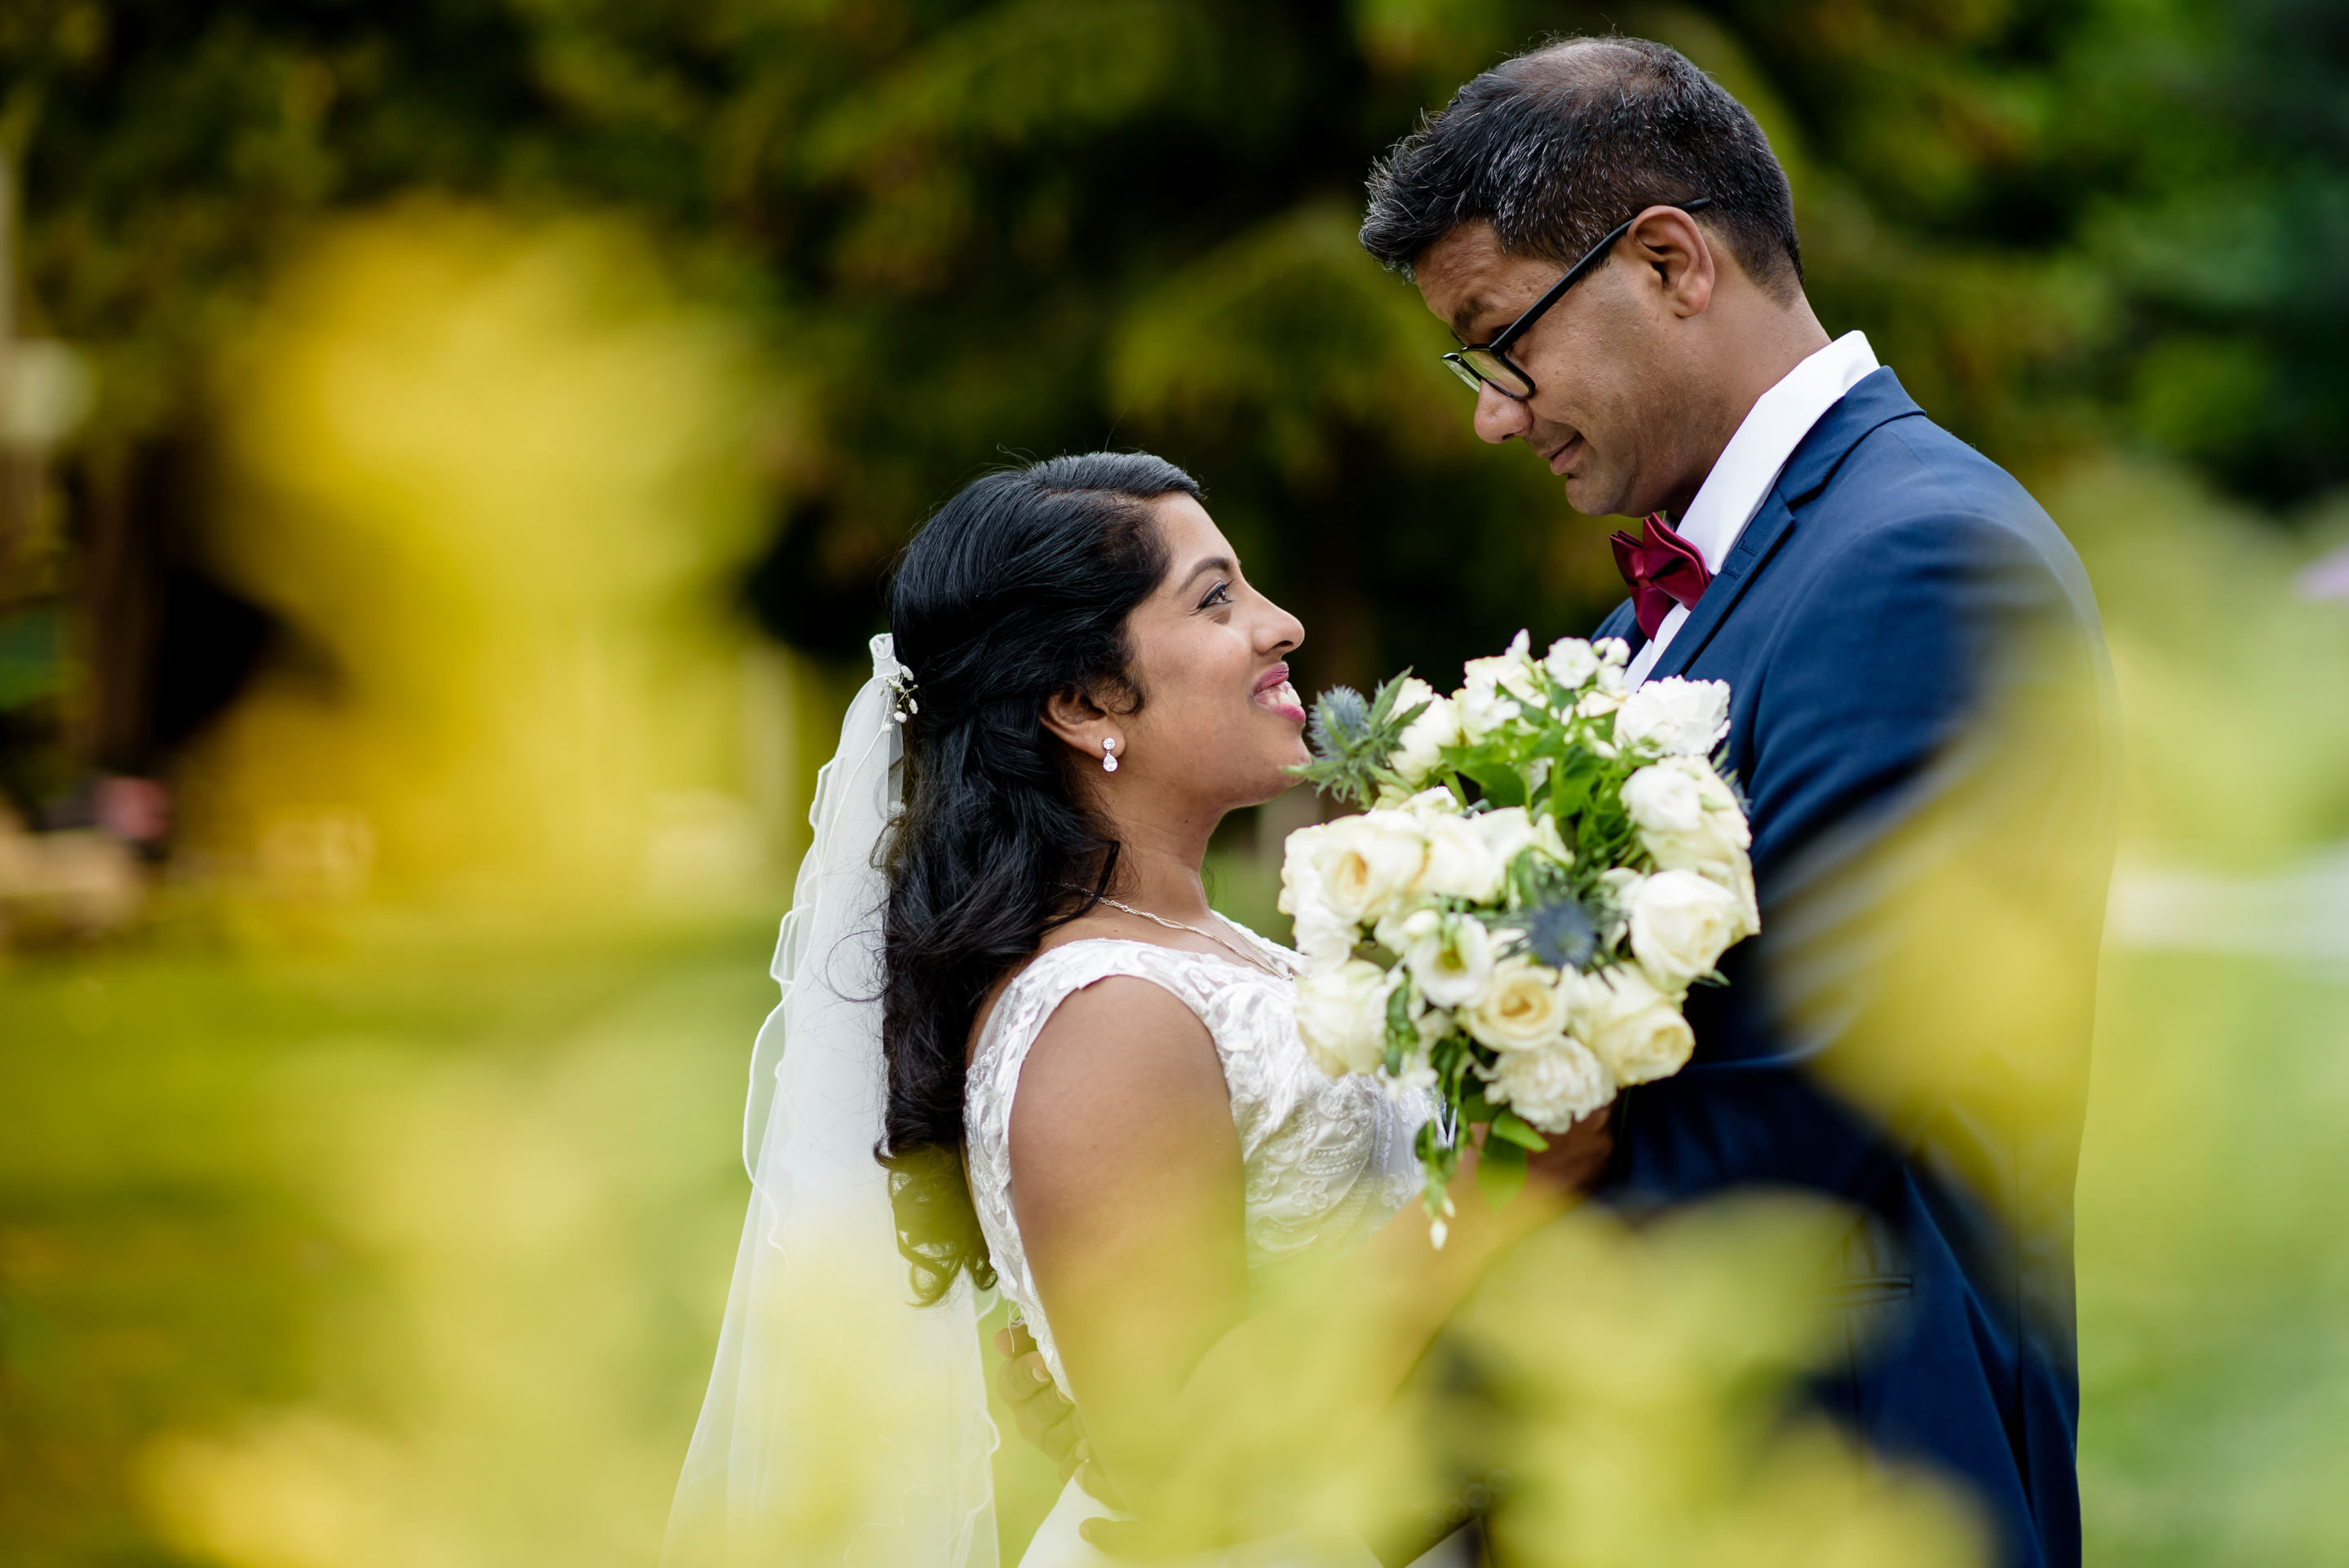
{"points": [[1498, 417]]}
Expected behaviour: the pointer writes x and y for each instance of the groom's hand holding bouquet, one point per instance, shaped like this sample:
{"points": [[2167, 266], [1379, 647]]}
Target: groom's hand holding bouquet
{"points": [[1546, 862]]}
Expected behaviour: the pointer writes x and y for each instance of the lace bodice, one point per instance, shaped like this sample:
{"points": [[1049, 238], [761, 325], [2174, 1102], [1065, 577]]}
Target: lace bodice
{"points": [[1328, 1160]]}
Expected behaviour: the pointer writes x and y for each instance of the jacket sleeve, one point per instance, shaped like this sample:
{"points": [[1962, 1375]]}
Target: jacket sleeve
{"points": [[1930, 780]]}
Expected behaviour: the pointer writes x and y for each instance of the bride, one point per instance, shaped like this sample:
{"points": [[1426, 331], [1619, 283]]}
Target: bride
{"points": [[1019, 1052]]}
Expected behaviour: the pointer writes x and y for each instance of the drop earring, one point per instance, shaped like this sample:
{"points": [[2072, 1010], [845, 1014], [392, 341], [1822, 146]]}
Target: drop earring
{"points": [[1109, 755]]}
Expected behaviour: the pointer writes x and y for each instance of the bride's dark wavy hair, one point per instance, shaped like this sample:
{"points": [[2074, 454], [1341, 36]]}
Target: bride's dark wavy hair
{"points": [[1015, 591]]}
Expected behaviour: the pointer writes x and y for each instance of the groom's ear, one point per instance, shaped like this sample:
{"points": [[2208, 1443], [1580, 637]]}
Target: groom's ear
{"points": [[1673, 247]]}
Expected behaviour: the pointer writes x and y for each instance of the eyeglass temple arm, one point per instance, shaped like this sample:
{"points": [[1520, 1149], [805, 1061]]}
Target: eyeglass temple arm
{"points": [[1574, 274]]}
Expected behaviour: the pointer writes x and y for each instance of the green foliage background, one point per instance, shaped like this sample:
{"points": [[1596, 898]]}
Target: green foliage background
{"points": [[433, 1211], [973, 230]]}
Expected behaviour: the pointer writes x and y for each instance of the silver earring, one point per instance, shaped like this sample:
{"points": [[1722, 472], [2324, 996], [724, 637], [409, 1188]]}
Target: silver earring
{"points": [[1109, 759]]}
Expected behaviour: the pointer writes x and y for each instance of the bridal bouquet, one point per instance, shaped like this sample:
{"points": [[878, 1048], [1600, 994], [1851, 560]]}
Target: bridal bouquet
{"points": [[1546, 862]]}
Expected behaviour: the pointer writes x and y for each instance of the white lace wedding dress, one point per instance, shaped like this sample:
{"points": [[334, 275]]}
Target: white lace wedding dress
{"points": [[1328, 1160]]}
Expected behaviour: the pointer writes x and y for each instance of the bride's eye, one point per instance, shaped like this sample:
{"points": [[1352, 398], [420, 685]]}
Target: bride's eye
{"points": [[1221, 593]]}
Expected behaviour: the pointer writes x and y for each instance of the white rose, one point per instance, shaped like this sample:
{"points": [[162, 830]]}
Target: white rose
{"points": [[1634, 1029], [1366, 862], [1323, 937], [1571, 662], [1437, 726], [1664, 800], [1342, 1014], [1679, 717], [1689, 820], [1680, 924], [1552, 1087], [1449, 957], [1523, 1005]]}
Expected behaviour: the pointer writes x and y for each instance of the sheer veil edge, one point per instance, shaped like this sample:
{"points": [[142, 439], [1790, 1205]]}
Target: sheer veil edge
{"points": [[842, 1423]]}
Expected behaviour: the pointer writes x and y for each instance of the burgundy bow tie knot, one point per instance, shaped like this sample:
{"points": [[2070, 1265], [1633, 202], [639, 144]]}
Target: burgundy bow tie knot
{"points": [[1663, 569]]}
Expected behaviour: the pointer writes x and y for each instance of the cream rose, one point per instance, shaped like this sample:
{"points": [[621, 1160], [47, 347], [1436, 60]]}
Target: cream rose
{"points": [[1449, 957], [1366, 862], [1680, 924], [1342, 1014], [1460, 862], [1553, 1087], [1633, 1028], [1679, 717], [1523, 1006]]}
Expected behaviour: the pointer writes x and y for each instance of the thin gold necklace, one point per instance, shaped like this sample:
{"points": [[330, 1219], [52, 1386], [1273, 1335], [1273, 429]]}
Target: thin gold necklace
{"points": [[1249, 958]]}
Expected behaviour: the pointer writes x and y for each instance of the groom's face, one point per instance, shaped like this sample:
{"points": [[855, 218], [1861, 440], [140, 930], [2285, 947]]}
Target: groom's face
{"points": [[1600, 418]]}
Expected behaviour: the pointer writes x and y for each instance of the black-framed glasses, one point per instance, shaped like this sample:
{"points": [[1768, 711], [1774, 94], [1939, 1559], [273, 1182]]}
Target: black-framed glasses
{"points": [[1490, 365]]}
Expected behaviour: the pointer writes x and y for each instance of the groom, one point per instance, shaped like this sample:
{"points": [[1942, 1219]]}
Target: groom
{"points": [[1921, 717]]}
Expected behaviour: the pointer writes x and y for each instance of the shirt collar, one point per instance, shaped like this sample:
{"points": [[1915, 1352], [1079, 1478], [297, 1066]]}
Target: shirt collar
{"points": [[1766, 438]]}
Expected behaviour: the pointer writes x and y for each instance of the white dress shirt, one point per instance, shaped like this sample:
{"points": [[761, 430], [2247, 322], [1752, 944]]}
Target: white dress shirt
{"points": [[1732, 493]]}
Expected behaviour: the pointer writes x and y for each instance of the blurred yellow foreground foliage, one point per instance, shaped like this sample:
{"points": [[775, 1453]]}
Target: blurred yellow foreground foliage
{"points": [[498, 481]]}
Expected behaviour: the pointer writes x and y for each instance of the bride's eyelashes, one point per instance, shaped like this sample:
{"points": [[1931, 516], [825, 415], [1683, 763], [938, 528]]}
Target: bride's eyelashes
{"points": [[1217, 596]]}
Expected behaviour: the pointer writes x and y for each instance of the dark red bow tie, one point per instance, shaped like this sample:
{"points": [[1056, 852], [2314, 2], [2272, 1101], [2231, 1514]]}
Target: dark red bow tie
{"points": [[1663, 569]]}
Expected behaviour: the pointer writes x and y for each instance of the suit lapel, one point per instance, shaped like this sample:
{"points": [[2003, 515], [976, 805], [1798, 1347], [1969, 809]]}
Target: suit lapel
{"points": [[1874, 399], [1753, 550]]}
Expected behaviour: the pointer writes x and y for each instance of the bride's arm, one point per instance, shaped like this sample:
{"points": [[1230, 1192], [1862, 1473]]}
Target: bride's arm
{"points": [[1127, 1179]]}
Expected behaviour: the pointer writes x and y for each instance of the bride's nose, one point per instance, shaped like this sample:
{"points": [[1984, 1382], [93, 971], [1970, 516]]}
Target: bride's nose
{"points": [[1281, 631]]}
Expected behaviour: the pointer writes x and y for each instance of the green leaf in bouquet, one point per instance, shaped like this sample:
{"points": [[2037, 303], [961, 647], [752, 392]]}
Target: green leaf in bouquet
{"points": [[1509, 1126], [1499, 783], [1500, 1170], [1402, 1037], [1475, 1107]]}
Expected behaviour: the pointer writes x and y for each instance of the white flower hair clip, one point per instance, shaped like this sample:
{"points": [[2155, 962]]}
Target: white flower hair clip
{"points": [[897, 678]]}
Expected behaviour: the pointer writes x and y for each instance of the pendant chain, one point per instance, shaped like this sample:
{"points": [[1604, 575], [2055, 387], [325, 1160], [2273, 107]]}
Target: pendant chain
{"points": [[1249, 958]]}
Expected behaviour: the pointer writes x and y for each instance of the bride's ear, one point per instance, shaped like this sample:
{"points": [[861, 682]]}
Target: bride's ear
{"points": [[1083, 723]]}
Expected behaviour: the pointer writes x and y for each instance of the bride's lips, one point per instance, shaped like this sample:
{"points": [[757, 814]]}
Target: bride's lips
{"points": [[1275, 694]]}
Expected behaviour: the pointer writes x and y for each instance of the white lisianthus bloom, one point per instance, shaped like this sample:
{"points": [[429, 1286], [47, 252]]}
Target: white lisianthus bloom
{"points": [[1367, 862], [1571, 663], [1612, 651], [1523, 1006], [1449, 957], [1596, 702], [1680, 924], [1511, 669], [1635, 1029], [1460, 862], [1482, 709], [1679, 717], [1551, 1088], [1437, 726], [1341, 1016], [1689, 820]]}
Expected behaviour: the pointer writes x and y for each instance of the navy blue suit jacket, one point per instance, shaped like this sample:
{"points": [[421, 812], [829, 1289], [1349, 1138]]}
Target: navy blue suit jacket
{"points": [[1921, 717]]}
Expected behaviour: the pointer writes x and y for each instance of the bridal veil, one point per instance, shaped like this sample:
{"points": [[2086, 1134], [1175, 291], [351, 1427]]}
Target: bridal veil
{"points": [[843, 1424]]}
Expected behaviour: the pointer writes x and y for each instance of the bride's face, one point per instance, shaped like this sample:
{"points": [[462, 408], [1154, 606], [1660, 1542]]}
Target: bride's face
{"points": [[1220, 722]]}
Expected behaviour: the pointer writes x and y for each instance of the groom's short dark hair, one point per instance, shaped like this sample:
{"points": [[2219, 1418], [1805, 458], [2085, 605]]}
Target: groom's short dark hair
{"points": [[1558, 145]]}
